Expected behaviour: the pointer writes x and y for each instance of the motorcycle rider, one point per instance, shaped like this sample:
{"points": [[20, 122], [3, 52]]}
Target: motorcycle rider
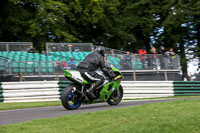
{"points": [[88, 68]]}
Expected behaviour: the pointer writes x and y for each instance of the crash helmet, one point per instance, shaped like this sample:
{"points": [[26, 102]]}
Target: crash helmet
{"points": [[101, 50]]}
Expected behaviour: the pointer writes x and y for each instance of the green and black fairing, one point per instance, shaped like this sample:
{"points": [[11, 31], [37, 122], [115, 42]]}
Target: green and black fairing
{"points": [[74, 95], [75, 78]]}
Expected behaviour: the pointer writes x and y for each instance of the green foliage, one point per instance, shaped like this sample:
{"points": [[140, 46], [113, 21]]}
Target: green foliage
{"points": [[121, 24], [43, 21]]}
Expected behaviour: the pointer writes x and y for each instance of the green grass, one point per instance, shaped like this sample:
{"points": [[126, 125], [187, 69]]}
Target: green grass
{"points": [[10, 106], [182, 116], [172, 97]]}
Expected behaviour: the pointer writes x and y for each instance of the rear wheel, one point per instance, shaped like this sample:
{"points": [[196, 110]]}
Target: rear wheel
{"points": [[70, 98], [116, 97]]}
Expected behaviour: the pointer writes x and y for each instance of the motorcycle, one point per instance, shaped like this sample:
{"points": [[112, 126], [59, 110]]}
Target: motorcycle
{"points": [[75, 94]]}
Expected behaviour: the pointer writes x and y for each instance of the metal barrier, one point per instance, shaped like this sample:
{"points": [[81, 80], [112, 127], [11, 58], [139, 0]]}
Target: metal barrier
{"points": [[14, 46], [144, 62], [182, 88], [71, 47], [30, 91], [53, 64], [51, 90], [1, 93], [16, 60], [147, 89]]}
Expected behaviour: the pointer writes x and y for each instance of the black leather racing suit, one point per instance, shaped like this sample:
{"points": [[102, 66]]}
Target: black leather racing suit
{"points": [[88, 67]]}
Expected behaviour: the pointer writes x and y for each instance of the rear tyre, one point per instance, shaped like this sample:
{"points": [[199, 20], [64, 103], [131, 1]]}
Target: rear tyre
{"points": [[116, 96], [70, 98]]}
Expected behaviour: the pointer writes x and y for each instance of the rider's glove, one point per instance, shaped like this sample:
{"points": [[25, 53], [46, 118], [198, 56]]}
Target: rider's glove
{"points": [[111, 76]]}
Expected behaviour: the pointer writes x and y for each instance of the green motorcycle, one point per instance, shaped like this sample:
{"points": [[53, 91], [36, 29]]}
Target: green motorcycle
{"points": [[75, 94]]}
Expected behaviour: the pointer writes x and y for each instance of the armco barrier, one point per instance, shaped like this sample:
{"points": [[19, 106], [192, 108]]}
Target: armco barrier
{"points": [[1, 93], [50, 90], [147, 89], [182, 88], [32, 91]]}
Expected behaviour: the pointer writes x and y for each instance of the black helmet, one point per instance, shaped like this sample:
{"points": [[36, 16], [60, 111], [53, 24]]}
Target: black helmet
{"points": [[101, 50]]}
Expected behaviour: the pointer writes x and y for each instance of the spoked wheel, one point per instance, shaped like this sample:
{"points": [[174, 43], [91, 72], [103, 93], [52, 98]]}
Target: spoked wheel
{"points": [[70, 98], [116, 96]]}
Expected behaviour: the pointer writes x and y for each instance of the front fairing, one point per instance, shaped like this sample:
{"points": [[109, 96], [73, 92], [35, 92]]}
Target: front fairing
{"points": [[110, 86]]}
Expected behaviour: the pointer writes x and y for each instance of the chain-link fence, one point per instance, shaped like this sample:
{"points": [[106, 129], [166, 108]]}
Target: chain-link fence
{"points": [[14, 46], [16, 60], [144, 62], [42, 68]]}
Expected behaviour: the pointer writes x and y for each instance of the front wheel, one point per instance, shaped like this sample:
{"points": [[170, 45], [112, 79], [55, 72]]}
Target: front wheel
{"points": [[116, 96], [70, 98]]}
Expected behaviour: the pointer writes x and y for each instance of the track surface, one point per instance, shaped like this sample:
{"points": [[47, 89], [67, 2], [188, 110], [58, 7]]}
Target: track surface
{"points": [[22, 115]]}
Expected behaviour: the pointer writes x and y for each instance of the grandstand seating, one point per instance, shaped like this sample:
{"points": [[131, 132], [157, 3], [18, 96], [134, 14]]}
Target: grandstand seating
{"points": [[115, 61], [31, 62], [22, 61]]}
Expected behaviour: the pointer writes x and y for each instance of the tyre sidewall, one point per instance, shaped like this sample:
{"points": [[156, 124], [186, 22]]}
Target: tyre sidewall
{"points": [[64, 98], [118, 100]]}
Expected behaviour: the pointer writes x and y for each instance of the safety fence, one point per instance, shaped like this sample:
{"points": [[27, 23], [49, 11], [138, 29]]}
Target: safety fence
{"points": [[15, 57], [51, 90], [71, 47], [40, 64], [15, 46]]}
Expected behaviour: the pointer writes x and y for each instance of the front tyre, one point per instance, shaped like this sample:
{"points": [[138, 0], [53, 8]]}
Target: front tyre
{"points": [[70, 98], [116, 96]]}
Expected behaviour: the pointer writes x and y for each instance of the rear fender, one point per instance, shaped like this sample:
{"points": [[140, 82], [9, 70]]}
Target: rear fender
{"points": [[75, 76]]}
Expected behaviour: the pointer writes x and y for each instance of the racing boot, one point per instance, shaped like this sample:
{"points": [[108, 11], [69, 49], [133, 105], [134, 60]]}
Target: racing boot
{"points": [[90, 92]]}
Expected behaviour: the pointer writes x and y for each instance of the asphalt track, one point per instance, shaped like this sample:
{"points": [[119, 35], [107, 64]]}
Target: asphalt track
{"points": [[23, 115]]}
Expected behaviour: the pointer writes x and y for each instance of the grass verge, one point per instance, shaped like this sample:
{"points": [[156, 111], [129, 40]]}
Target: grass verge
{"points": [[10, 106], [157, 98], [180, 116]]}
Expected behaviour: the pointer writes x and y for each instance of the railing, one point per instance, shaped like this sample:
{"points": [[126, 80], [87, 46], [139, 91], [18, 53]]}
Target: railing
{"points": [[14, 46], [71, 47], [144, 62], [41, 66], [57, 51], [51, 90]]}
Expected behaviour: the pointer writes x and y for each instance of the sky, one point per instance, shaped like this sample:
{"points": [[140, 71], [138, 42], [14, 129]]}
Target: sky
{"points": [[193, 66]]}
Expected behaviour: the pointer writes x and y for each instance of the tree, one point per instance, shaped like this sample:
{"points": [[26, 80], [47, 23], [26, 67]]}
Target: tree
{"points": [[180, 31], [41, 21], [120, 24]]}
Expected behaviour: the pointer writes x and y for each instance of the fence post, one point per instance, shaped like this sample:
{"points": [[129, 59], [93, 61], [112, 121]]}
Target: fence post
{"points": [[39, 68], [7, 47], [134, 75], [57, 75], [21, 78], [9, 67], [166, 78]]}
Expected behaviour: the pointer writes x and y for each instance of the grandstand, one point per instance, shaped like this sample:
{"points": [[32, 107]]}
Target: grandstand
{"points": [[29, 63], [16, 61]]}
